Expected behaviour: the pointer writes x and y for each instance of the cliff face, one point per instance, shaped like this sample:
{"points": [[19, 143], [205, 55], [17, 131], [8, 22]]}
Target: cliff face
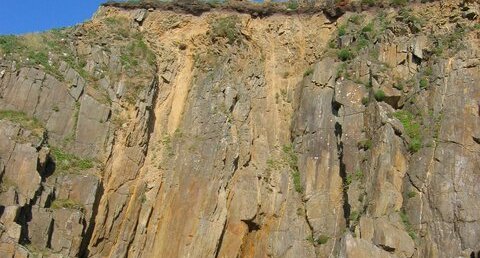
{"points": [[152, 133]]}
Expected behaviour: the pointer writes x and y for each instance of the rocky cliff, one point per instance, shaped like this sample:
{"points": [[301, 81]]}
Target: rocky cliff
{"points": [[149, 132]]}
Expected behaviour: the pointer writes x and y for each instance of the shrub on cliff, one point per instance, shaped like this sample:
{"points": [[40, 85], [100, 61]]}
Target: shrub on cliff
{"points": [[345, 54], [226, 27], [292, 5], [8, 44], [379, 95]]}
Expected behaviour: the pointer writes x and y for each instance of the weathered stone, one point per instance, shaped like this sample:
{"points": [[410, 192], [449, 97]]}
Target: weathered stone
{"points": [[139, 15], [81, 189], [92, 127], [40, 227], [354, 247], [120, 89], [388, 54], [325, 72], [8, 219], [345, 41], [471, 13], [67, 231], [419, 45], [21, 168], [223, 149], [23, 91], [390, 238], [77, 83]]}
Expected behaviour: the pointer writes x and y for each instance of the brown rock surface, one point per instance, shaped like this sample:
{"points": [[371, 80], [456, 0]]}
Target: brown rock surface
{"points": [[155, 133]]}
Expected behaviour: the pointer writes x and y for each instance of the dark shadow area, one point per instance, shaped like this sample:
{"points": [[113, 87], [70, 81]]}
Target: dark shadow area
{"points": [[24, 216], [87, 235], [343, 174], [49, 168], [252, 226]]}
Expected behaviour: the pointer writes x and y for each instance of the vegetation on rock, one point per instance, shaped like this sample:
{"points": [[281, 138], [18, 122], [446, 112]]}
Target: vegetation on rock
{"points": [[412, 128], [66, 204], [23, 119], [69, 163], [226, 27]]}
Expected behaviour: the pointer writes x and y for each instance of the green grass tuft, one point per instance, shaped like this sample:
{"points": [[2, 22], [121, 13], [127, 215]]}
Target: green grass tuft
{"points": [[308, 72], [365, 101], [69, 163], [368, 28], [399, 2], [67, 204], [345, 54], [365, 144], [412, 128], [411, 194], [408, 225], [292, 5], [369, 2], [291, 159], [379, 95], [342, 30], [23, 120], [423, 83], [354, 217], [297, 181], [135, 52], [226, 27], [322, 239], [9, 43]]}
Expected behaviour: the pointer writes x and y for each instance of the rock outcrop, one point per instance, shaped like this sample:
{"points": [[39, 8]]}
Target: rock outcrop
{"points": [[156, 133]]}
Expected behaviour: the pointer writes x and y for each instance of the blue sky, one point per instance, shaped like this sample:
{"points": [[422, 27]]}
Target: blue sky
{"points": [[22, 16]]}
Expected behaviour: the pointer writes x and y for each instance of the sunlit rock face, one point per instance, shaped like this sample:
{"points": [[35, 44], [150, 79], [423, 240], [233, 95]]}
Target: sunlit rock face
{"points": [[148, 132]]}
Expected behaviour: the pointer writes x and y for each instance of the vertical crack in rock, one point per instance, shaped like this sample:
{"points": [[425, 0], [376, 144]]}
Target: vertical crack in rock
{"points": [[50, 234], [224, 227], [148, 118], [309, 226], [220, 240], [342, 170], [235, 169], [83, 252], [130, 242], [153, 91], [151, 99], [25, 213], [25, 216], [37, 101]]}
